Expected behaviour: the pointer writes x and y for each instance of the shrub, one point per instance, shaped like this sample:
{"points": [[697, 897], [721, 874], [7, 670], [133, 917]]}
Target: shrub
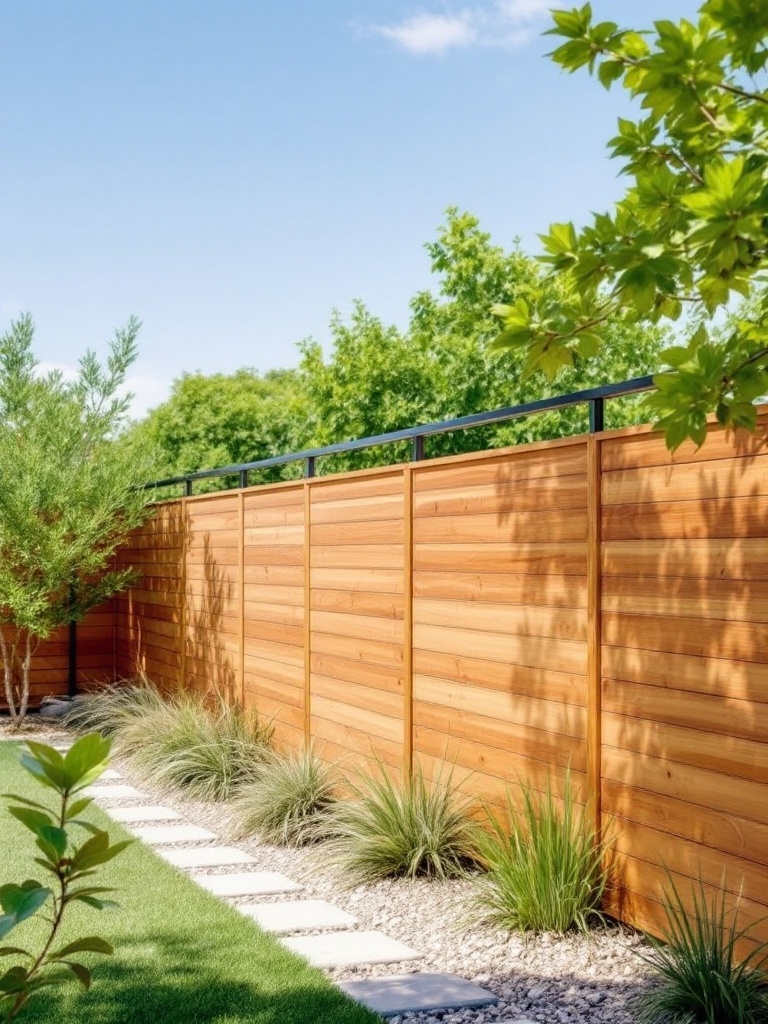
{"points": [[207, 753], [700, 978], [290, 803], [109, 709], [546, 872], [410, 828]]}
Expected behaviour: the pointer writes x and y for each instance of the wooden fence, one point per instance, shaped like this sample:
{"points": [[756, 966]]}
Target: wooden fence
{"points": [[593, 602]]}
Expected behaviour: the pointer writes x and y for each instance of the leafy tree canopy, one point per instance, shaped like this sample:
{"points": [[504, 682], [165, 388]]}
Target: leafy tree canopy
{"points": [[68, 494], [689, 239]]}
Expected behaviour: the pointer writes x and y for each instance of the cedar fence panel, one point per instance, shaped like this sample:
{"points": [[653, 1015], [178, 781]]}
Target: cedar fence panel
{"points": [[594, 603]]}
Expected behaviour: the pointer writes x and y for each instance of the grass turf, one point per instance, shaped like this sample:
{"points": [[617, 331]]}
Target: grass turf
{"points": [[181, 955]]}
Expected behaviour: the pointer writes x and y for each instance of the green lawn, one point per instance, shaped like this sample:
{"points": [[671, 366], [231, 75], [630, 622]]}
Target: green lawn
{"points": [[181, 956]]}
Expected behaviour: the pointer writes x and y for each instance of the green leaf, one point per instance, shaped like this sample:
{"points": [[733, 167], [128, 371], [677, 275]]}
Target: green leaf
{"points": [[22, 901], [14, 951], [54, 839], [31, 818], [7, 924], [77, 807], [82, 973], [13, 980], [91, 944]]}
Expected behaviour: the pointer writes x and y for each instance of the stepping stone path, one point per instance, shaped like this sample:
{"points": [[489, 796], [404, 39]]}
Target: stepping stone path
{"points": [[206, 857], [109, 775], [298, 916], [157, 835], [247, 883], [114, 792], [128, 815], [344, 949], [410, 993]]}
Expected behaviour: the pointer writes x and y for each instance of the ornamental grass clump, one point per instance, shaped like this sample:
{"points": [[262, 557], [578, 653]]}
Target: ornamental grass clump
{"points": [[546, 870], [207, 753], [411, 828], [109, 709], [700, 978], [291, 801]]}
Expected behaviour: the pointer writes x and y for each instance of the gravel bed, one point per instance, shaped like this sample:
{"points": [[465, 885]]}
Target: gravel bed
{"points": [[549, 979]]}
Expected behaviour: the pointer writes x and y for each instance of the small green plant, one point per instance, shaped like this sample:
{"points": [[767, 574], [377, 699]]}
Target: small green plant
{"points": [[207, 753], [290, 803], [701, 979], [404, 828], [70, 863], [109, 709], [546, 871]]}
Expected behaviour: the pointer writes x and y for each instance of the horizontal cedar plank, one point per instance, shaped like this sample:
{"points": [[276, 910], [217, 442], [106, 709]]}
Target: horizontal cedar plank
{"points": [[278, 497], [262, 535], [262, 611], [743, 798], [287, 738], [435, 752], [736, 559], [566, 624], [645, 912], [274, 651], [358, 510], [273, 593], [159, 627], [567, 492], [348, 556], [372, 652], [661, 520], [170, 659], [537, 652], [702, 638], [352, 762], [499, 587], [358, 603], [379, 581], [383, 677], [702, 598], [212, 556], [645, 450], [730, 755], [569, 559], [281, 672], [721, 478], [385, 531], [386, 630], [494, 741], [503, 471], [290, 515], [208, 540], [693, 860], [565, 687], [530, 712], [159, 588], [200, 511], [202, 619], [277, 554], [279, 632], [276, 712], [710, 713], [366, 697], [262, 687], [738, 837], [348, 738], [366, 720], [213, 520], [739, 679], [165, 572], [536, 526], [278, 575], [349, 489]]}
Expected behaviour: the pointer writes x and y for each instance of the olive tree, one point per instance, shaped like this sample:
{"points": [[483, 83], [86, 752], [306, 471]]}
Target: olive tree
{"points": [[69, 494]]}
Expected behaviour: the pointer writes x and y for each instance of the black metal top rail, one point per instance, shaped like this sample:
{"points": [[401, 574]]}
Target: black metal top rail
{"points": [[593, 397]]}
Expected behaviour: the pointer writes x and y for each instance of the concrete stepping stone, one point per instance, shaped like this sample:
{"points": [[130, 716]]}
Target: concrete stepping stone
{"points": [[298, 916], [207, 857], [247, 883], [109, 775], [343, 949], [128, 815], [415, 993], [115, 791], [159, 835]]}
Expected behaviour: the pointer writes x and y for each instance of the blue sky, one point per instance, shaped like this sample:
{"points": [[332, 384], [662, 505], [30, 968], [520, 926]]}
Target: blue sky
{"points": [[232, 170]]}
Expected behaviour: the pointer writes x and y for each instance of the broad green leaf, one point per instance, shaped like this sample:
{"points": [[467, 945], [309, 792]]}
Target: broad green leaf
{"points": [[22, 902], [91, 944], [82, 973]]}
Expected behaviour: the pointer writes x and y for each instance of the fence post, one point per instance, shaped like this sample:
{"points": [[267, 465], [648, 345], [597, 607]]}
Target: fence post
{"points": [[183, 587], [241, 590], [594, 630], [408, 620], [308, 607]]}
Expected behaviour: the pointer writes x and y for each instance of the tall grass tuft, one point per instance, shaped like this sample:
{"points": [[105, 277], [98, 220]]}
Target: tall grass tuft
{"points": [[289, 804], [110, 709], [701, 979], [207, 753], [545, 872], [405, 828]]}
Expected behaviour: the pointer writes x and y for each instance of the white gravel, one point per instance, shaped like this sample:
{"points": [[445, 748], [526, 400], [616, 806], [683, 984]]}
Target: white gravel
{"points": [[549, 979]]}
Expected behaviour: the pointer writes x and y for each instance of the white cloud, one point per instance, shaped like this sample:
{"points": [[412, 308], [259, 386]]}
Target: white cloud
{"points": [[431, 33], [507, 23]]}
